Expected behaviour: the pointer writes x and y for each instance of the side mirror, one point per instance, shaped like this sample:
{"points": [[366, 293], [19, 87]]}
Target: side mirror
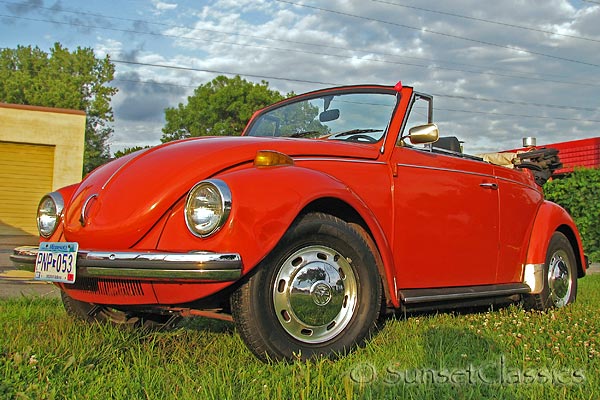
{"points": [[424, 134]]}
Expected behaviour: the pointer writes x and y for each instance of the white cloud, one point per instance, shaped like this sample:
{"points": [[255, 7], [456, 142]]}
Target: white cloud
{"points": [[433, 52], [161, 6]]}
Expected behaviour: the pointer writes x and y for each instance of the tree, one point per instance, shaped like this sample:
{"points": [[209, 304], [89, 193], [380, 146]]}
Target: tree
{"points": [[578, 193], [129, 150], [75, 80], [221, 107]]}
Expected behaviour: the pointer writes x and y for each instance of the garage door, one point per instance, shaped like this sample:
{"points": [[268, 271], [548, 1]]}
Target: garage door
{"points": [[25, 176]]}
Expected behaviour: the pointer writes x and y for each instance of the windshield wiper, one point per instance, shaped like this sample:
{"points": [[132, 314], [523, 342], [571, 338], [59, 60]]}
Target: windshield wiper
{"points": [[355, 131], [304, 134]]}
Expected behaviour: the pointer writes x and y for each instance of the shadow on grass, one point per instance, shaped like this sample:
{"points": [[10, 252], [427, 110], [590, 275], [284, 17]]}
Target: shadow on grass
{"points": [[450, 346], [207, 324], [457, 347]]}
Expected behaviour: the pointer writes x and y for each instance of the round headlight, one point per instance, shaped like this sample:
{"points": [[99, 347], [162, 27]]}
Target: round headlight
{"points": [[207, 207], [48, 215]]}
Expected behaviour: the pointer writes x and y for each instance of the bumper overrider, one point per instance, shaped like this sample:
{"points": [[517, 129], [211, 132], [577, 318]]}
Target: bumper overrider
{"points": [[195, 266]]}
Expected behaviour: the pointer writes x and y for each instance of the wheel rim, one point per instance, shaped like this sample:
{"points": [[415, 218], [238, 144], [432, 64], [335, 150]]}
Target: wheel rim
{"points": [[559, 279], [315, 294]]}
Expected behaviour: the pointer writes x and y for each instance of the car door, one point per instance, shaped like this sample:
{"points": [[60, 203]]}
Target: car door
{"points": [[519, 202], [446, 218]]}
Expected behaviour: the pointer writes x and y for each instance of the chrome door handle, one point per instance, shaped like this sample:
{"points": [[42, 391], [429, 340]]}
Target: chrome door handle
{"points": [[493, 186]]}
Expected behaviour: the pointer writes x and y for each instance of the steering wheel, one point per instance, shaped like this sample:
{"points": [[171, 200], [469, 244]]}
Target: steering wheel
{"points": [[360, 138]]}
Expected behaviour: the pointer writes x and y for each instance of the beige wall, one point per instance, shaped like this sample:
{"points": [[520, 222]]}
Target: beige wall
{"points": [[64, 129], [41, 150]]}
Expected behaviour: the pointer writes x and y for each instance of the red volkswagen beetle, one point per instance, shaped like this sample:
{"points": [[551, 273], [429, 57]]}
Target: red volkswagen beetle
{"points": [[333, 207]]}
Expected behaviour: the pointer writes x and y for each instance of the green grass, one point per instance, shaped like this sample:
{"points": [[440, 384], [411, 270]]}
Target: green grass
{"points": [[508, 354]]}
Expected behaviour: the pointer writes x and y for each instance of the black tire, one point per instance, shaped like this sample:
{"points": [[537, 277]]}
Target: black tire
{"points": [[560, 276], [89, 312], [317, 294]]}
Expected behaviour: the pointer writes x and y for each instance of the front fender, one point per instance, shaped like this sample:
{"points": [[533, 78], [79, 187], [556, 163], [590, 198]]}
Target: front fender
{"points": [[265, 202], [551, 218], [269, 200]]}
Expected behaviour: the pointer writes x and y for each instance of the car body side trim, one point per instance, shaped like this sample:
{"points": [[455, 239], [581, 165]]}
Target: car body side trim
{"points": [[350, 160], [429, 295], [446, 170]]}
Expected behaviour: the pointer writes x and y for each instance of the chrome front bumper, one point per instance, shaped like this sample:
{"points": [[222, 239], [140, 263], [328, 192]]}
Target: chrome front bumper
{"points": [[218, 267]]}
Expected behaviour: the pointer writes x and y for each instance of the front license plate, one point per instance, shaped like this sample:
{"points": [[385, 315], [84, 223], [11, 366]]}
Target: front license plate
{"points": [[56, 262]]}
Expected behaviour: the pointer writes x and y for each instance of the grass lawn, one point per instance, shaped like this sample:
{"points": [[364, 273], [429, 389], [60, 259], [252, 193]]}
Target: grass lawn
{"points": [[502, 354]]}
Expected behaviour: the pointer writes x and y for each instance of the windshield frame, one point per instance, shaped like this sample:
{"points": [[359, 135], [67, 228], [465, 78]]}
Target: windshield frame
{"points": [[337, 91]]}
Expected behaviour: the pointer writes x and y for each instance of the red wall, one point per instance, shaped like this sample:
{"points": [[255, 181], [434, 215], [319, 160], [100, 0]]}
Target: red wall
{"points": [[577, 153]]}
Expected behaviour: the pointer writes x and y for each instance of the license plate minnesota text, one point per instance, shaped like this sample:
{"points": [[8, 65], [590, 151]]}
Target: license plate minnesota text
{"points": [[56, 262]]}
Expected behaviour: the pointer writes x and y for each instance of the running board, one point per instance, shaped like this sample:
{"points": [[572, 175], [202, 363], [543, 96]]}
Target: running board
{"points": [[418, 296]]}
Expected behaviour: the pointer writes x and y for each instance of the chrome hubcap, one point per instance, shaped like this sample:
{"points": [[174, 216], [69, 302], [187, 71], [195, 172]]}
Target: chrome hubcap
{"points": [[314, 294], [559, 279]]}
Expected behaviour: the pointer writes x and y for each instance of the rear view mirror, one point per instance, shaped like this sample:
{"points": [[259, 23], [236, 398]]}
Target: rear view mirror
{"points": [[424, 134], [329, 115]]}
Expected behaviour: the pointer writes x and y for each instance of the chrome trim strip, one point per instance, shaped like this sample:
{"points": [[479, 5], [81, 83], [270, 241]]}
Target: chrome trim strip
{"points": [[446, 170], [500, 178], [352, 160], [82, 216], [213, 275], [415, 296], [146, 265]]}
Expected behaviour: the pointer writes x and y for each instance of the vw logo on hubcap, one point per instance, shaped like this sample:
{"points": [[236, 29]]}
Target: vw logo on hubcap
{"points": [[321, 293]]}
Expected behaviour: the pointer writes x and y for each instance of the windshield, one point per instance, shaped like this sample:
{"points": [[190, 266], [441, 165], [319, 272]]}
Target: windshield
{"points": [[356, 117]]}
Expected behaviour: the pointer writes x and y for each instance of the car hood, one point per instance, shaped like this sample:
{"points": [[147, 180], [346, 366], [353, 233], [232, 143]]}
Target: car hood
{"points": [[118, 203]]}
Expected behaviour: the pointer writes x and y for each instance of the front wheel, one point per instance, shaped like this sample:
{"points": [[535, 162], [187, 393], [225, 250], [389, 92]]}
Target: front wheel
{"points": [[317, 293], [560, 276]]}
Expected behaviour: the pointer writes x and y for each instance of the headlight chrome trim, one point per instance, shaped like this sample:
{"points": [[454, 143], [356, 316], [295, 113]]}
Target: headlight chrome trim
{"points": [[224, 205], [59, 205]]}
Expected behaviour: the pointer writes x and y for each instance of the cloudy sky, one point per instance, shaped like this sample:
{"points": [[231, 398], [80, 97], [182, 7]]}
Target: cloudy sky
{"points": [[499, 70]]}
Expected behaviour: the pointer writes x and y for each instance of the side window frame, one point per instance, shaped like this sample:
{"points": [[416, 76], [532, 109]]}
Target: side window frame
{"points": [[416, 96]]}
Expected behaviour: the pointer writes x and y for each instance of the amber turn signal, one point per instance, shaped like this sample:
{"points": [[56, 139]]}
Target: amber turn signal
{"points": [[269, 158]]}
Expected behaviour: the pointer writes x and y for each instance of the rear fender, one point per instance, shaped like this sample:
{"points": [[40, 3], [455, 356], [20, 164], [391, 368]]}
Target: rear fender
{"points": [[549, 219]]}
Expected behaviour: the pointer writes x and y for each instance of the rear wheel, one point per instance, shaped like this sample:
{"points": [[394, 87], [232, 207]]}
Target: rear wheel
{"points": [[560, 276], [89, 312], [317, 293]]}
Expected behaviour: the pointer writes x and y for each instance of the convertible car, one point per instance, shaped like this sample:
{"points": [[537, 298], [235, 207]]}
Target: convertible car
{"points": [[331, 209]]}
